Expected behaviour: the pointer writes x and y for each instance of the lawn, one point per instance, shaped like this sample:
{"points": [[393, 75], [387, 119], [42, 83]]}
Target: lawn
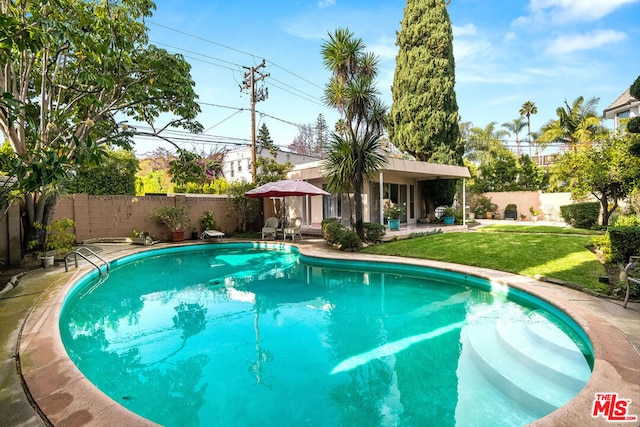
{"points": [[551, 253]]}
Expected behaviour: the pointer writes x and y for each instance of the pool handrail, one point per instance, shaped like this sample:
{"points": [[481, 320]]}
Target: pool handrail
{"points": [[75, 256]]}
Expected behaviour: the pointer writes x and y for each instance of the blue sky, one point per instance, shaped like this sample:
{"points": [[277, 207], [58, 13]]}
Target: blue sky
{"points": [[507, 52]]}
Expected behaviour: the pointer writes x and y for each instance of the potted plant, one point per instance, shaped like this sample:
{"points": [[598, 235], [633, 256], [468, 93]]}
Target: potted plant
{"points": [[392, 212], [449, 215], [511, 211], [484, 208], [176, 218], [58, 240], [534, 213], [139, 237]]}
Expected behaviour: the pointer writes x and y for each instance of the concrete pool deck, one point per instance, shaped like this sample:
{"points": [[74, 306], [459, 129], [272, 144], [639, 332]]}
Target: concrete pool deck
{"points": [[33, 354]]}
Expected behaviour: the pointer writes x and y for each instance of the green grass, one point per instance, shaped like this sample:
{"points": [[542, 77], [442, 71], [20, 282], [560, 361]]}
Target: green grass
{"points": [[549, 229], [554, 255]]}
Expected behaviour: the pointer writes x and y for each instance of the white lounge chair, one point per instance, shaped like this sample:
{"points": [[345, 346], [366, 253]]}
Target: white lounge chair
{"points": [[270, 227], [293, 228], [211, 233]]}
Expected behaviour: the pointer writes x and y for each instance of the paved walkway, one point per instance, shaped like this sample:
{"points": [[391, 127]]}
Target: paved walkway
{"points": [[28, 328]]}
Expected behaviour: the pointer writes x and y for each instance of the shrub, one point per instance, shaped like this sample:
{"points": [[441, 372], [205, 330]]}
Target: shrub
{"points": [[625, 242], [59, 237], [208, 222], [373, 232], [581, 215], [627, 220], [331, 228], [482, 205], [633, 125], [336, 233], [348, 239]]}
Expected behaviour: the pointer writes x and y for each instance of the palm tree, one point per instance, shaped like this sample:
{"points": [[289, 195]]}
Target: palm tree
{"points": [[527, 109], [351, 90], [577, 123], [484, 144], [515, 126]]}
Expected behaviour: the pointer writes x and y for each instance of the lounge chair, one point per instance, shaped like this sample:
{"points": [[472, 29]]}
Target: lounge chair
{"points": [[270, 227], [293, 228], [211, 233]]}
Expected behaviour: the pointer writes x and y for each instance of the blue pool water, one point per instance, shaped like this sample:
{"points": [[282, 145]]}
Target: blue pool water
{"points": [[236, 335]]}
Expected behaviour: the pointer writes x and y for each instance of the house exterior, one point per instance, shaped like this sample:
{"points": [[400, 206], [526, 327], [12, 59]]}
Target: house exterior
{"points": [[625, 107], [401, 181]]}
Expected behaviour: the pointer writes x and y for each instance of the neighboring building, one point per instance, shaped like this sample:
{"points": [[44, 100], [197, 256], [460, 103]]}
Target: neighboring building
{"points": [[237, 163], [625, 107]]}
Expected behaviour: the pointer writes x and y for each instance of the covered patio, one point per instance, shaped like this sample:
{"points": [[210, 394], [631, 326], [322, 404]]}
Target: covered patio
{"points": [[399, 182]]}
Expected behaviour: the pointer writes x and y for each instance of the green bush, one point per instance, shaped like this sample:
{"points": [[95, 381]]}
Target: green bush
{"points": [[208, 222], [483, 204], [633, 125], [331, 229], [336, 233], [349, 240], [625, 242], [373, 233], [627, 220], [581, 215]]}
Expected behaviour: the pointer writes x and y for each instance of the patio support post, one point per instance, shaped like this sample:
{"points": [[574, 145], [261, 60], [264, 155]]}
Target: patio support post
{"points": [[464, 201], [381, 198]]}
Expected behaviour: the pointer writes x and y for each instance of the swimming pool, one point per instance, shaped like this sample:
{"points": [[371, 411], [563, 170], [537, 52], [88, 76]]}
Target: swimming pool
{"points": [[239, 335]]}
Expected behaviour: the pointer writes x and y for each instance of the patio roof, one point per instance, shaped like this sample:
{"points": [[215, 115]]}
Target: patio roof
{"points": [[411, 168]]}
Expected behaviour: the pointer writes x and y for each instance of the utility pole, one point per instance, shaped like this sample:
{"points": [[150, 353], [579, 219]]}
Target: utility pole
{"points": [[258, 95]]}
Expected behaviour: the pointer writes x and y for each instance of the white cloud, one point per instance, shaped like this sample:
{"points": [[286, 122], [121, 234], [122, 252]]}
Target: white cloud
{"points": [[570, 43], [385, 48], [466, 30], [575, 10], [326, 3]]}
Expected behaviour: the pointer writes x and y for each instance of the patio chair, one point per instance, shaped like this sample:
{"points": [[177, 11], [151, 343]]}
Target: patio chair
{"points": [[270, 227], [211, 233], [293, 228]]}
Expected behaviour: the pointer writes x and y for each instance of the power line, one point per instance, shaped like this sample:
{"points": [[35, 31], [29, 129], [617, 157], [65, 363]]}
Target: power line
{"points": [[253, 56]]}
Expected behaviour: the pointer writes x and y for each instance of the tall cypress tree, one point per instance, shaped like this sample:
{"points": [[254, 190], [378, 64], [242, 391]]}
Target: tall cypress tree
{"points": [[424, 113]]}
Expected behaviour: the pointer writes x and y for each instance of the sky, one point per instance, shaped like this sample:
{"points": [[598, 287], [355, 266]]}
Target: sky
{"points": [[506, 52]]}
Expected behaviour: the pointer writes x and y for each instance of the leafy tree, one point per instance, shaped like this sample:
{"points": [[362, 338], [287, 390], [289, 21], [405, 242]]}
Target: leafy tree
{"points": [[577, 123], [482, 145], [196, 168], [269, 170], [424, 115], [604, 169], [70, 68], [242, 207], [527, 109], [351, 90], [312, 140], [514, 127], [423, 120], [115, 175], [633, 125]]}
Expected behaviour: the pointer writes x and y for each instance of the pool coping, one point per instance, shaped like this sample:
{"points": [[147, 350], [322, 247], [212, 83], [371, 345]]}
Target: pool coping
{"points": [[64, 396]]}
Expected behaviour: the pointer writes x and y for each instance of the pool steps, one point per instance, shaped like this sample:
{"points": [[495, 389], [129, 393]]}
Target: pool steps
{"points": [[536, 368]]}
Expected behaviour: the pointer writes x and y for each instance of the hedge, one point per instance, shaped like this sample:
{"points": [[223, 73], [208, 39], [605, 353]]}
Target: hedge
{"points": [[625, 242], [581, 215]]}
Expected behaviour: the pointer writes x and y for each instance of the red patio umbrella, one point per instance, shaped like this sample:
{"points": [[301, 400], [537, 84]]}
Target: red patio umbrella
{"points": [[284, 188]]}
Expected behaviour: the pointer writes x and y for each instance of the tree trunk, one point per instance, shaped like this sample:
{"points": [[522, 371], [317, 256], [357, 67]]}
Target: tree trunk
{"points": [[36, 209]]}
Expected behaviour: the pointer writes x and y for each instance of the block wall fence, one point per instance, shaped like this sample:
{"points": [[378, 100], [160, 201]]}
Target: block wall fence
{"points": [[117, 216]]}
